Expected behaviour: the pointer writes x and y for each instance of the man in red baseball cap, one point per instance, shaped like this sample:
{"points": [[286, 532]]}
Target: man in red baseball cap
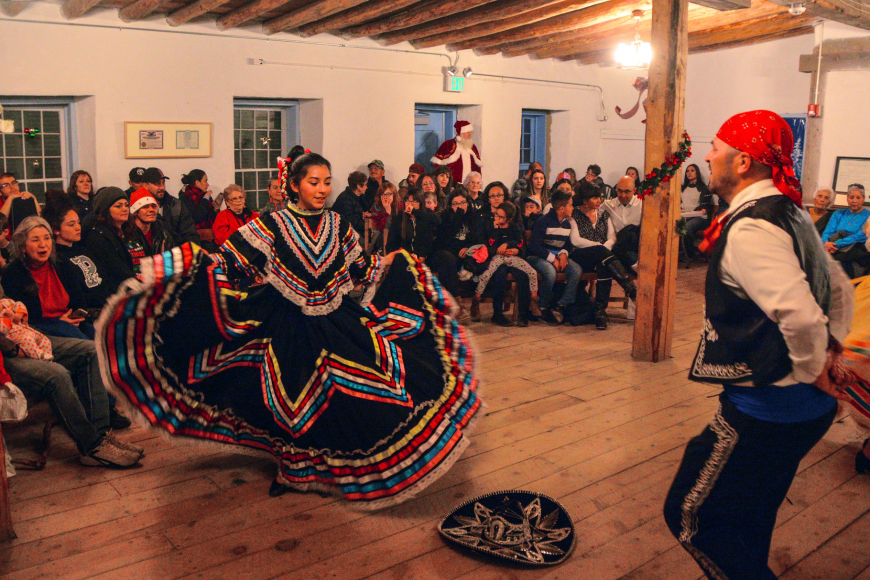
{"points": [[776, 305]]}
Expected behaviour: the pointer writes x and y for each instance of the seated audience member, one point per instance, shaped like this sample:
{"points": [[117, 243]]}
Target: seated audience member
{"points": [[17, 204], [531, 212], [455, 235], [430, 202], [635, 175], [444, 179], [415, 172], [495, 194], [66, 227], [548, 250], [416, 229], [571, 175], [72, 384], [80, 191], [429, 184], [136, 179], [593, 236], [593, 175], [143, 212], [537, 189], [172, 214], [625, 211], [107, 243], [197, 199], [473, 183], [382, 213], [235, 216], [696, 196], [520, 185], [277, 200], [374, 183], [820, 212], [563, 183], [348, 204], [504, 241], [50, 289], [845, 237]]}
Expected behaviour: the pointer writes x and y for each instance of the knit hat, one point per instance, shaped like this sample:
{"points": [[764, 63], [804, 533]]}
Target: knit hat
{"points": [[140, 198], [106, 198], [417, 168]]}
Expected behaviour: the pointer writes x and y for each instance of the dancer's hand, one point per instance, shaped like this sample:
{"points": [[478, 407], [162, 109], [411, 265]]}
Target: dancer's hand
{"points": [[829, 383], [388, 259]]}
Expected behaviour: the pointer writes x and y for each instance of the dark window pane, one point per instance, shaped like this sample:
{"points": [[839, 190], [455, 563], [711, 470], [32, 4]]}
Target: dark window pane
{"points": [[37, 188], [15, 116], [250, 180], [32, 120], [237, 138], [247, 140], [263, 179], [14, 145], [275, 140], [15, 165], [33, 168], [247, 159], [52, 145], [54, 185], [238, 156], [239, 178], [262, 160], [276, 120], [261, 120], [259, 139], [237, 119], [53, 168], [33, 146], [247, 119], [274, 154], [51, 121]]}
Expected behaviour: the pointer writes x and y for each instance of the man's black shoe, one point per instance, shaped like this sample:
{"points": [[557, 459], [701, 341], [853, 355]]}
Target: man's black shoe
{"points": [[501, 320], [117, 421]]}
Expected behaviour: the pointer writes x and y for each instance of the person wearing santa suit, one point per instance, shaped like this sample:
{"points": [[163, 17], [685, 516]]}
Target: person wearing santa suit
{"points": [[459, 154]]}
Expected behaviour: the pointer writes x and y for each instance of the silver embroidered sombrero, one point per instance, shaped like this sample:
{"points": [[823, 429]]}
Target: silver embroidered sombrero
{"points": [[520, 526]]}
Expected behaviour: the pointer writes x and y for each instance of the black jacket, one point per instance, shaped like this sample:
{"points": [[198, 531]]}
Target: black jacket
{"points": [[19, 285], [82, 206], [86, 272], [111, 256], [456, 231], [347, 205], [161, 239], [176, 219], [493, 237], [372, 186], [422, 240]]}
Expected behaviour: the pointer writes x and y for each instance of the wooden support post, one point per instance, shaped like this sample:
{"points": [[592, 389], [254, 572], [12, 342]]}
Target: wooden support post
{"points": [[656, 282], [7, 534]]}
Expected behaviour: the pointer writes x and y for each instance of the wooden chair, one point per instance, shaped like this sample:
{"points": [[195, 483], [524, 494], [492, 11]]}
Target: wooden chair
{"points": [[510, 301]]}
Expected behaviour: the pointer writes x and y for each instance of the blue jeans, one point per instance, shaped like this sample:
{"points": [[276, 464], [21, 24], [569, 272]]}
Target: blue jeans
{"points": [[62, 328], [72, 385], [548, 279]]}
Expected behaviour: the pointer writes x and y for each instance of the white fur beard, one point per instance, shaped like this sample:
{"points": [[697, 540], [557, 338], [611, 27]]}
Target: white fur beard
{"points": [[465, 143]]}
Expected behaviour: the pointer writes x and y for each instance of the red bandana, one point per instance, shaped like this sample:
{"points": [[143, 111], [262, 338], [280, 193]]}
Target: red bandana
{"points": [[712, 234], [767, 138]]}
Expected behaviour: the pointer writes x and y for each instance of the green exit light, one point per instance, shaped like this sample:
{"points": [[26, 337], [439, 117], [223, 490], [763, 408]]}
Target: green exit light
{"points": [[454, 84]]}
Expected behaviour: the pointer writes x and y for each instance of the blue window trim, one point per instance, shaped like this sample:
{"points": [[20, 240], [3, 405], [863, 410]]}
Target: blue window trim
{"points": [[539, 137]]}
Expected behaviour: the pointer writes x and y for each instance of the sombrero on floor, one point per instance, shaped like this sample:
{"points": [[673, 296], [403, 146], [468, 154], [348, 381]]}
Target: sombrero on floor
{"points": [[520, 526]]}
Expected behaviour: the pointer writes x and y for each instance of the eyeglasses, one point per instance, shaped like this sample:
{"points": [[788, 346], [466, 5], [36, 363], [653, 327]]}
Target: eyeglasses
{"points": [[500, 217], [459, 204], [10, 184], [624, 191], [495, 195], [386, 195]]}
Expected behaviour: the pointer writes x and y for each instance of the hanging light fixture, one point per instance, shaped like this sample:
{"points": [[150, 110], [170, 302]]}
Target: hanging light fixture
{"points": [[636, 55]]}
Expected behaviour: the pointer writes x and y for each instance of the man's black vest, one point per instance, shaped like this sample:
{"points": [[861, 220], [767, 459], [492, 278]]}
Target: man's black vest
{"points": [[739, 343]]}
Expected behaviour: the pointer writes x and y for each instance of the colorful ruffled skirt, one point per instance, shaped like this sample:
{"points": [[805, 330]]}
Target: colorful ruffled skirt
{"points": [[374, 403]]}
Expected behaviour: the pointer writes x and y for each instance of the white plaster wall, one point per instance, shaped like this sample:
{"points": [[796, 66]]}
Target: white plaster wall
{"points": [[152, 73], [846, 117]]}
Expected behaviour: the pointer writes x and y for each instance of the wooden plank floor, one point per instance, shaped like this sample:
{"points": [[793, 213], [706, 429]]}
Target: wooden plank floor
{"points": [[570, 415]]}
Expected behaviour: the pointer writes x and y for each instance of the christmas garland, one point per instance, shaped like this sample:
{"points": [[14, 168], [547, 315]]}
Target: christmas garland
{"points": [[667, 170]]}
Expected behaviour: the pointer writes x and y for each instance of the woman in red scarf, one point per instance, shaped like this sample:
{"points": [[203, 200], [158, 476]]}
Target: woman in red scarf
{"points": [[197, 199], [235, 216]]}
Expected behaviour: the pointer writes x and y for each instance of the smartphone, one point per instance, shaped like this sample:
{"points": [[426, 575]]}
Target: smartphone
{"points": [[79, 313]]}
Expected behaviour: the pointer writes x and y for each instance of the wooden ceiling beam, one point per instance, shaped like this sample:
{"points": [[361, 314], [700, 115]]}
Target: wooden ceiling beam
{"points": [[12, 8], [141, 9], [480, 15], [748, 41], [250, 11], [309, 13], [589, 16], [76, 8], [619, 26], [560, 45], [193, 10], [368, 11], [463, 32], [843, 11], [430, 11], [738, 34]]}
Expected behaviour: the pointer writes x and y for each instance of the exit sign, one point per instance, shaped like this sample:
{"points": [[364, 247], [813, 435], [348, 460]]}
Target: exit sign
{"points": [[454, 84]]}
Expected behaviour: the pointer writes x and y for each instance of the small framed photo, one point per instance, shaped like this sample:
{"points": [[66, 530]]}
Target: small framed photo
{"points": [[167, 140]]}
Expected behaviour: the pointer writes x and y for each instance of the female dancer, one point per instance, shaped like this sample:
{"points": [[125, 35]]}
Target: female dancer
{"points": [[373, 403]]}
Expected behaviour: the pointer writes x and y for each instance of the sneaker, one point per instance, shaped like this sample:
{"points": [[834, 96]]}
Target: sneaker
{"points": [[631, 311], [548, 317], [118, 421], [465, 275], [126, 445], [108, 455], [501, 320], [634, 267], [559, 313], [601, 320]]}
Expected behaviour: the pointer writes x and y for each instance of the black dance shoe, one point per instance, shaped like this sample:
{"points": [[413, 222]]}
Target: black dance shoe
{"points": [[278, 489]]}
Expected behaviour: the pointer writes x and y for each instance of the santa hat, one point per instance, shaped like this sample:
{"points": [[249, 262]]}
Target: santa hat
{"points": [[463, 127], [140, 198]]}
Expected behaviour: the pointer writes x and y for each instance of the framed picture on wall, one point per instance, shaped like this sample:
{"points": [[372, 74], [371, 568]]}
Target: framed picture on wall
{"points": [[166, 140], [849, 170]]}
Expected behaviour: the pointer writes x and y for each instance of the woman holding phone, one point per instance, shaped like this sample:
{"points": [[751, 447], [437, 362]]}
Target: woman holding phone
{"points": [[50, 289]]}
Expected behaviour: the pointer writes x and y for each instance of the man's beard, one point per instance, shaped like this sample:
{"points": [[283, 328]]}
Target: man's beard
{"points": [[723, 185], [466, 143]]}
